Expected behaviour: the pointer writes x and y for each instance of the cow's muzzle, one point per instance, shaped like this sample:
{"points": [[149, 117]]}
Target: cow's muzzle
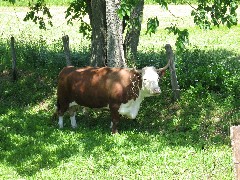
{"points": [[156, 91]]}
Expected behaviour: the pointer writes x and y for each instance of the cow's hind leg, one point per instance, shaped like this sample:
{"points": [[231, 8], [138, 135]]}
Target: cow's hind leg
{"points": [[60, 122], [115, 118]]}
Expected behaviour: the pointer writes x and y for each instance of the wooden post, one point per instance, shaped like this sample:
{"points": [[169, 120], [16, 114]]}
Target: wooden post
{"points": [[14, 59], [174, 82], [235, 141], [65, 40]]}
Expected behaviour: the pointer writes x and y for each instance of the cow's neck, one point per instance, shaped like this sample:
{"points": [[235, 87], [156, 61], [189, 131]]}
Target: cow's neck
{"points": [[131, 108]]}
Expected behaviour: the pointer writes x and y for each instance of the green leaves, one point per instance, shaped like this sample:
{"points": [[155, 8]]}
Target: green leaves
{"points": [[164, 3], [125, 9], [37, 17], [127, 14], [220, 12], [182, 39], [12, 1], [201, 18], [76, 11], [152, 25]]}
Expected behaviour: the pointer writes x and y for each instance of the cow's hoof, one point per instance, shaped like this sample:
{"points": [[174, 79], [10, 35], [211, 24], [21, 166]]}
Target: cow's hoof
{"points": [[74, 127], [115, 132], [60, 126]]}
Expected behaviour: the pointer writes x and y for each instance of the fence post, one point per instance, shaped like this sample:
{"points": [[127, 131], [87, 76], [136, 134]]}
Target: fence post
{"points": [[235, 142], [14, 59], [174, 82], [65, 40]]}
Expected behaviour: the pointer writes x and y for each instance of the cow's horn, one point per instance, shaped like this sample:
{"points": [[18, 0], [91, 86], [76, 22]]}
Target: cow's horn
{"points": [[165, 67], [139, 71]]}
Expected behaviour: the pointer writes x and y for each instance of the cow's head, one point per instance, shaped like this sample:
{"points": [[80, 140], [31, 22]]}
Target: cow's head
{"points": [[150, 78]]}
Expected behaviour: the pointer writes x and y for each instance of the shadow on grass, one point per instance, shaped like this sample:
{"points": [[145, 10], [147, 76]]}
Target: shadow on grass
{"points": [[29, 143], [26, 143]]}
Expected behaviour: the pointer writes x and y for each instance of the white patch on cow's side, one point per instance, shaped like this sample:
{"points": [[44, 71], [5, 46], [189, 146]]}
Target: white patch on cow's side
{"points": [[73, 104], [60, 122], [73, 120], [131, 108], [150, 79]]}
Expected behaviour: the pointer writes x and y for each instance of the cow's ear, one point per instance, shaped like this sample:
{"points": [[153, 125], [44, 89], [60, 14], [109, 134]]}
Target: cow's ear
{"points": [[161, 73], [138, 71]]}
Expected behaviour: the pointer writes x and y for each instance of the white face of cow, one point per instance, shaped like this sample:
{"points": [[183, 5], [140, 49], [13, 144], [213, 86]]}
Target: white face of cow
{"points": [[150, 80]]}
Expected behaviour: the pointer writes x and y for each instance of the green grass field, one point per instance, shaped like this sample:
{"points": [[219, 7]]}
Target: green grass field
{"points": [[188, 139]]}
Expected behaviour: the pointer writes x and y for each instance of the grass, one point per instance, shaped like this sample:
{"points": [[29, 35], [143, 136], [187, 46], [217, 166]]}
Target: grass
{"points": [[33, 148], [188, 139]]}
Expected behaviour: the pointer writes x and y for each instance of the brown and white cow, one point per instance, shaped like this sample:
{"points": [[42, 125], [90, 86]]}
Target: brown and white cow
{"points": [[120, 89]]}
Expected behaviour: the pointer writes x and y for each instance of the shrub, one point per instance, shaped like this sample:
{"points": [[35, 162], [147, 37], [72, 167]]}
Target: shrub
{"points": [[215, 70]]}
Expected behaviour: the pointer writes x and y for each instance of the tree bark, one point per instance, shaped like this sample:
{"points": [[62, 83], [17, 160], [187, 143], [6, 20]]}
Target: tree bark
{"points": [[99, 34], [133, 33], [115, 53]]}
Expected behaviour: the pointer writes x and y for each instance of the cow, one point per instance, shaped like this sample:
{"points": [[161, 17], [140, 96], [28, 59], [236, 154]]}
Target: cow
{"points": [[121, 90]]}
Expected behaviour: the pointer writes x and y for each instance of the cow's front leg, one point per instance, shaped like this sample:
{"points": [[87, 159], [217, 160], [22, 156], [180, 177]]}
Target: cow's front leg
{"points": [[115, 118]]}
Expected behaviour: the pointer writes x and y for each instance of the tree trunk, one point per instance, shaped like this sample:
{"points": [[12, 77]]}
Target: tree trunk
{"points": [[115, 53], [107, 33], [132, 37], [99, 34], [65, 40]]}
